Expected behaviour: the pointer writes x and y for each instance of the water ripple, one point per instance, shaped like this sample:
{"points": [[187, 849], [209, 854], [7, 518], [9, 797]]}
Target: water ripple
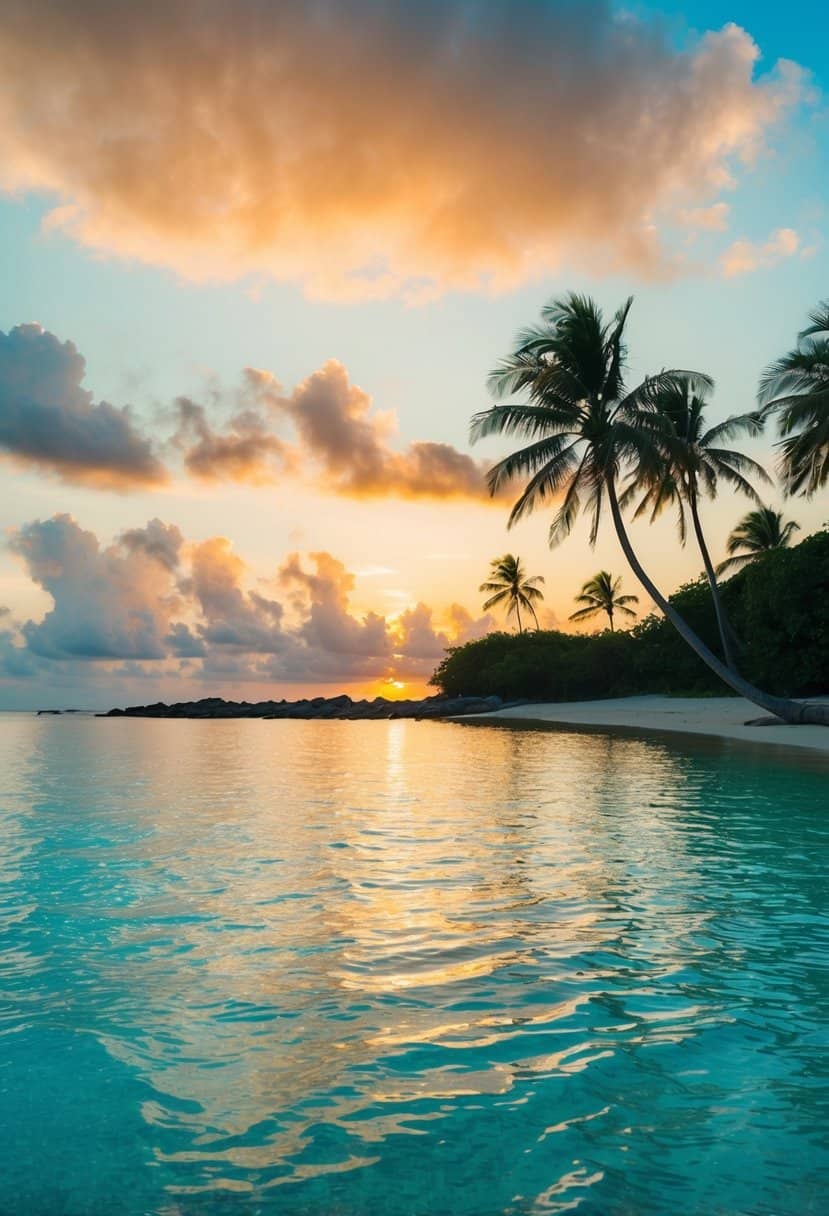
{"points": [[406, 968]]}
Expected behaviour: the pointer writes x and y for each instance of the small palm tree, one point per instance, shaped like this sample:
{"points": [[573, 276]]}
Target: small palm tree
{"points": [[601, 594], [757, 533], [510, 586], [796, 390]]}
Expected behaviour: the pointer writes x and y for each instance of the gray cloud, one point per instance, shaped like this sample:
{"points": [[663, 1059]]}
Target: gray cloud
{"points": [[158, 540], [109, 603], [16, 662], [231, 618], [184, 644], [329, 626], [47, 419], [369, 149], [245, 451]]}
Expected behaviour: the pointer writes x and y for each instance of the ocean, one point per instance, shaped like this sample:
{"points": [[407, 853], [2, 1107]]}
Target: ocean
{"points": [[407, 968]]}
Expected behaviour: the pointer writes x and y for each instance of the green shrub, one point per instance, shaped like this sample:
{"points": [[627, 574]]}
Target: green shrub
{"points": [[778, 608]]}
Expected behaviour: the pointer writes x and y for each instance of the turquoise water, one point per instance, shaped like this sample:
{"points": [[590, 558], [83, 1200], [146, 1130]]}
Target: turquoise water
{"points": [[406, 968]]}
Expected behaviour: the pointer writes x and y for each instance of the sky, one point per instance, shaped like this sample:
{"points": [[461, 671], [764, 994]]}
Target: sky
{"points": [[258, 261]]}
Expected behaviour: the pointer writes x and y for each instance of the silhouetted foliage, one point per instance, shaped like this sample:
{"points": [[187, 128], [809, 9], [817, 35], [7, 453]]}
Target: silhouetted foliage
{"points": [[778, 606], [785, 610], [796, 390]]}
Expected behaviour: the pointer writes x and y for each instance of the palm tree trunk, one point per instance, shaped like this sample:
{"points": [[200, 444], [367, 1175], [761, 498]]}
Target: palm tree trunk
{"points": [[781, 707], [610, 618], [518, 614], [723, 623]]}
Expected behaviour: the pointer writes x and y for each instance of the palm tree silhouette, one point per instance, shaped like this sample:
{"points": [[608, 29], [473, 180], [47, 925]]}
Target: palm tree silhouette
{"points": [[600, 594], [586, 431], [757, 533], [508, 581], [796, 390], [691, 460]]}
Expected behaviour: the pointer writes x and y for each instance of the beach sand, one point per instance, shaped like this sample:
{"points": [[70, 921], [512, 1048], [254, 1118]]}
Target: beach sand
{"points": [[714, 717]]}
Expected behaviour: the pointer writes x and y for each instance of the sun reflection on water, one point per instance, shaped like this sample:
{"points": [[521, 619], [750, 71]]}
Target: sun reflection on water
{"points": [[314, 942]]}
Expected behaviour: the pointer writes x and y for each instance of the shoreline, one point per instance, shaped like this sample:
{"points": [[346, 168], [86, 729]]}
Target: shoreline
{"points": [[719, 718], [730, 720]]}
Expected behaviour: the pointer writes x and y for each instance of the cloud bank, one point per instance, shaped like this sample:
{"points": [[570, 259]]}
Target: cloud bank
{"points": [[337, 440], [367, 150], [160, 606]]}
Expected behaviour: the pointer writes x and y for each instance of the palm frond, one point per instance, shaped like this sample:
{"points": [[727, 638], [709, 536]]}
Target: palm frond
{"points": [[543, 485], [584, 613], [552, 456], [530, 421], [819, 318], [752, 423]]}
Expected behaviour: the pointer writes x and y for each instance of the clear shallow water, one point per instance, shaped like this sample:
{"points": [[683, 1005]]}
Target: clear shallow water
{"points": [[406, 968]]}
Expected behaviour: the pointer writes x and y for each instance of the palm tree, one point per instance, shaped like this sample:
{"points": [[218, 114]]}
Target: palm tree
{"points": [[601, 594], [586, 431], [508, 581], [691, 460], [757, 533], [796, 389]]}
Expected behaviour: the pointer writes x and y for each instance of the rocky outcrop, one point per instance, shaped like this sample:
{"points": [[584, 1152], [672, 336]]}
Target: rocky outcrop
{"points": [[341, 707]]}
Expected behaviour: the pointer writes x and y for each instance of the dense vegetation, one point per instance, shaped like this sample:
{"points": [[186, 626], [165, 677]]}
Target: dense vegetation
{"points": [[778, 607]]}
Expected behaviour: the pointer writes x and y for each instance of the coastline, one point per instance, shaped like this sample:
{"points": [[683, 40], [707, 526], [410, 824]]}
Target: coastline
{"points": [[724, 718]]}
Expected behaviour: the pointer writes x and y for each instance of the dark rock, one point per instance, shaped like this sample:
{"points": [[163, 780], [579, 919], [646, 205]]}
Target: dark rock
{"points": [[339, 707]]}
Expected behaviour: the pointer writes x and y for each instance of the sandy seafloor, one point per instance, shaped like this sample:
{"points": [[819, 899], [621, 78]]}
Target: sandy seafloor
{"points": [[726, 718]]}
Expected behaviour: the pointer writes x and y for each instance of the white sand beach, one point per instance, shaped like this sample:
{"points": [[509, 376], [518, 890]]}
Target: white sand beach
{"points": [[715, 717]]}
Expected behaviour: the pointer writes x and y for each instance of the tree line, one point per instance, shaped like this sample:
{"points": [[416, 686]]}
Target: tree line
{"points": [[777, 606]]}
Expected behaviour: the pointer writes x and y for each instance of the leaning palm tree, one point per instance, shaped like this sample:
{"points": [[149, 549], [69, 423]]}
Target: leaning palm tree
{"points": [[796, 390], [601, 594], [587, 431], [691, 460], [509, 584], [757, 533]]}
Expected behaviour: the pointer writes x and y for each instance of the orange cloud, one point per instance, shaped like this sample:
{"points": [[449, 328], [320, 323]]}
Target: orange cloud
{"points": [[708, 219], [349, 444], [743, 257], [245, 451], [369, 150]]}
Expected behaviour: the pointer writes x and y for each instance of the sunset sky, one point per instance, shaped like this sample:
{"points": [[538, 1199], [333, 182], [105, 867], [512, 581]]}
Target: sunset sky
{"points": [[258, 259]]}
